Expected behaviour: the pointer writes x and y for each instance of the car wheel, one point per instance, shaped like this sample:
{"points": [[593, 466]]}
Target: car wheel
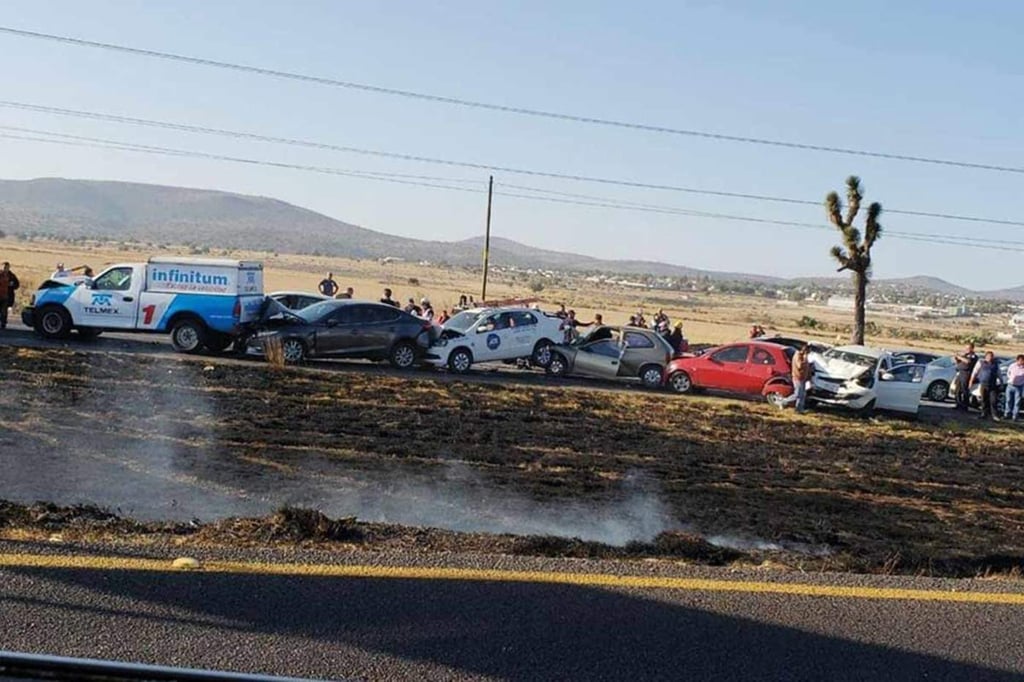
{"points": [[460, 360], [650, 376], [541, 353], [557, 365], [680, 382], [188, 336], [403, 355], [938, 391], [293, 351], [774, 397], [54, 322]]}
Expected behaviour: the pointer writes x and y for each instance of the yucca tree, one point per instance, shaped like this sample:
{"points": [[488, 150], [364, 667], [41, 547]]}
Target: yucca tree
{"points": [[855, 255]]}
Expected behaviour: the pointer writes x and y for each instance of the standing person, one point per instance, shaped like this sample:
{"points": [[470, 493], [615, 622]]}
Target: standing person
{"points": [[964, 367], [387, 300], [801, 368], [641, 321], [348, 293], [675, 338], [443, 317], [328, 287], [427, 310], [8, 285], [561, 311], [1014, 389], [569, 325], [986, 375], [412, 308]]}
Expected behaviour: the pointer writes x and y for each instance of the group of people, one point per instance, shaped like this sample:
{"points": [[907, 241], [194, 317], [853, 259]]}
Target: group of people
{"points": [[982, 372], [329, 287], [661, 324]]}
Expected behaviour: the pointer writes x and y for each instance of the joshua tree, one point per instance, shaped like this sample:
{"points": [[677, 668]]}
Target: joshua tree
{"points": [[856, 256]]}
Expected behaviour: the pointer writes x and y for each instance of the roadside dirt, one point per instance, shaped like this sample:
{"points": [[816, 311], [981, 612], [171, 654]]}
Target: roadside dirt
{"points": [[819, 492]]}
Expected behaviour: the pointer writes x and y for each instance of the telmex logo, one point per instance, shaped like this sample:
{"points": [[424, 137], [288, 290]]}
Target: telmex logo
{"points": [[176, 276], [102, 299]]}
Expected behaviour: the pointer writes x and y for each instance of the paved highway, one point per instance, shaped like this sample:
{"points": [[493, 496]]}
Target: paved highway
{"points": [[388, 616]]}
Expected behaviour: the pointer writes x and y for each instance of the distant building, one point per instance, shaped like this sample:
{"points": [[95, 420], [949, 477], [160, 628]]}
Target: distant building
{"points": [[840, 302]]}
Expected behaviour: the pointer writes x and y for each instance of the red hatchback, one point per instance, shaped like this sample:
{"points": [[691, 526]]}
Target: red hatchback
{"points": [[752, 368]]}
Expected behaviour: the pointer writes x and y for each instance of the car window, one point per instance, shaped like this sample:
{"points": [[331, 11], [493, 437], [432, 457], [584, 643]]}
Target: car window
{"points": [[116, 279], [342, 315], [762, 357], [607, 348], [637, 340], [731, 354], [489, 324], [382, 313], [523, 318], [907, 373]]}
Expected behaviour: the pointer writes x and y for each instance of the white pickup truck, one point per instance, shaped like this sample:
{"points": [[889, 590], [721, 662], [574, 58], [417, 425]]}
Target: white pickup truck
{"points": [[200, 302]]}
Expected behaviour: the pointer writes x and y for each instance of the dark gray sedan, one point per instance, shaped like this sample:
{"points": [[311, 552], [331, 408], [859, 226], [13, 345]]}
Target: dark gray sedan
{"points": [[628, 353], [345, 328]]}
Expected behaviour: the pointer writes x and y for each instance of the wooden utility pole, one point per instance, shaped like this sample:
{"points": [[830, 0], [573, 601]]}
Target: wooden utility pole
{"points": [[487, 237]]}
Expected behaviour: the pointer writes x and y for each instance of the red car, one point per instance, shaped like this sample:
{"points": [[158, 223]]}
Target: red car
{"points": [[752, 368]]}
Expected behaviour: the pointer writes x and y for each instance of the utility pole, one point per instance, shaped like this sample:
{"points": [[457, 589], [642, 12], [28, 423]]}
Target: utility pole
{"points": [[487, 237]]}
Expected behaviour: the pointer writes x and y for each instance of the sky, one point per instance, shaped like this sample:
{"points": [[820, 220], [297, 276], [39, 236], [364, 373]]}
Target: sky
{"points": [[935, 79]]}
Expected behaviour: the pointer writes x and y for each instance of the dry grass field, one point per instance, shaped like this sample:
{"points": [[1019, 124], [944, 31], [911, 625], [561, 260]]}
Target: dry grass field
{"points": [[707, 318]]}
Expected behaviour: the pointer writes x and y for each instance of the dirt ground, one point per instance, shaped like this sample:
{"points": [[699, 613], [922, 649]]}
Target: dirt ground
{"points": [[821, 491]]}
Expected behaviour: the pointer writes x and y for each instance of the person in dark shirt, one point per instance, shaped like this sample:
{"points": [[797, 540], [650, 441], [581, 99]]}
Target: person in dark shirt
{"points": [[986, 375], [348, 293], [8, 285], [387, 300], [328, 287], [964, 367]]}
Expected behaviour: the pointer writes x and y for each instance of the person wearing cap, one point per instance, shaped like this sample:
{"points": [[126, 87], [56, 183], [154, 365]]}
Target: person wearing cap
{"points": [[427, 310], [328, 287], [8, 285]]}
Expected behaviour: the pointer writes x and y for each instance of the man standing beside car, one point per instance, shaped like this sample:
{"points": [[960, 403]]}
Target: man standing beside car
{"points": [[986, 375], [964, 368], [1014, 389], [801, 367], [8, 285]]}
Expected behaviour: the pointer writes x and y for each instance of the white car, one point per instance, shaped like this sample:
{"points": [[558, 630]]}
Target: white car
{"points": [[866, 379], [495, 334]]}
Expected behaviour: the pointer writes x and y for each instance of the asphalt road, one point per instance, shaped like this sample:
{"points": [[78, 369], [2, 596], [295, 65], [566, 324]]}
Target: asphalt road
{"points": [[388, 616]]}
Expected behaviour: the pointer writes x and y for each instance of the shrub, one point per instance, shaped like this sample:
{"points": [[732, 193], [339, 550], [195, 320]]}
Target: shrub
{"points": [[414, 281]]}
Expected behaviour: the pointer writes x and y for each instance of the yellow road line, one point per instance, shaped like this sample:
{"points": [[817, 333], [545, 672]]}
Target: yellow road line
{"points": [[108, 563]]}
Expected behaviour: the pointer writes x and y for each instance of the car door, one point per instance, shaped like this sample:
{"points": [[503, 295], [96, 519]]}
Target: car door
{"points": [[112, 301], [334, 332], [726, 368], [524, 332], [635, 353], [761, 366], [599, 359], [492, 338], [381, 327], [899, 389]]}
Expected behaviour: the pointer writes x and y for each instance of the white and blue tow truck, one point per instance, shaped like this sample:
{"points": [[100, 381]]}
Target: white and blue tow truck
{"points": [[203, 303]]}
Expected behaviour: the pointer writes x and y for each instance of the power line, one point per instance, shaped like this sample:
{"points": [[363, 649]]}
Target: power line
{"points": [[29, 134], [524, 111], [206, 130]]}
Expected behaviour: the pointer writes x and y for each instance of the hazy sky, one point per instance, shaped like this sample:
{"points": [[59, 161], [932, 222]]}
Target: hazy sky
{"points": [[938, 78]]}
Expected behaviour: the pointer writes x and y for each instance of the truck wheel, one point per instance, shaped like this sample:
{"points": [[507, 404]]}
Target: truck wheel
{"points": [[217, 342], [188, 335], [460, 360], [54, 322], [403, 355]]}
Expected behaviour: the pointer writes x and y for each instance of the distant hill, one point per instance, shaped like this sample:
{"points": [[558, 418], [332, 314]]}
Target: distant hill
{"points": [[177, 215]]}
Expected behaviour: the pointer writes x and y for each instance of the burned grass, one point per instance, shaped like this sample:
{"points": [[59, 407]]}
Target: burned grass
{"points": [[880, 496]]}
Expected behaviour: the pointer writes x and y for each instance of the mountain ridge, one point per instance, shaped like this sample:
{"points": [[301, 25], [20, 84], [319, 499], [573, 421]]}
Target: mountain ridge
{"points": [[63, 207]]}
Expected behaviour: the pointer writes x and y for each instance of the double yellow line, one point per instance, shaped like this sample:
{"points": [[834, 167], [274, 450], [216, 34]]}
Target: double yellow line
{"points": [[108, 563]]}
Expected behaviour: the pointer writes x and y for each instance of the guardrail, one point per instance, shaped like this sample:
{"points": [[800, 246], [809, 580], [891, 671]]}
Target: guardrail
{"points": [[42, 667]]}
